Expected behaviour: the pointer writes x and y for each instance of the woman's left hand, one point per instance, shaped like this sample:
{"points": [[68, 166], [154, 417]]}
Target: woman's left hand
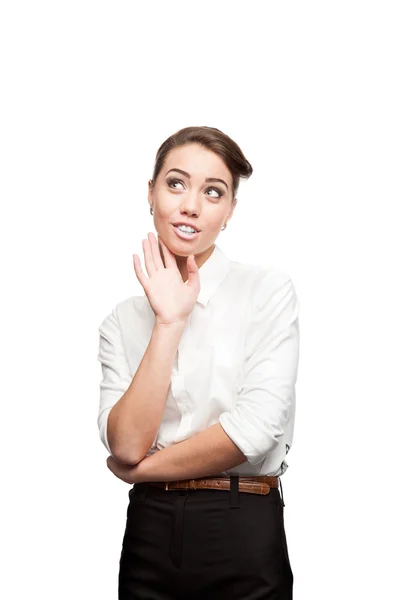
{"points": [[128, 473]]}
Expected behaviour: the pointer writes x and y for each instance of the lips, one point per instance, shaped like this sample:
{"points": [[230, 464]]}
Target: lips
{"points": [[185, 236]]}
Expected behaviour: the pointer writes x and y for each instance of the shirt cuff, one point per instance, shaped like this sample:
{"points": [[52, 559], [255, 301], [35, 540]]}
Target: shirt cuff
{"points": [[233, 430]]}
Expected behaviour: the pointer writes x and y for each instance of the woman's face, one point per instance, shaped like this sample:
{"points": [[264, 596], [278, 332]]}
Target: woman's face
{"points": [[177, 197]]}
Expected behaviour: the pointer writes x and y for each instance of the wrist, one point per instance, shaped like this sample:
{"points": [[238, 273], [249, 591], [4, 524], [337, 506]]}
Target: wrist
{"points": [[178, 324]]}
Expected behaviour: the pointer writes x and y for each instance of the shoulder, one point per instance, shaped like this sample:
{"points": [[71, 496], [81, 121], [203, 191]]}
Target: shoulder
{"points": [[263, 279], [272, 290]]}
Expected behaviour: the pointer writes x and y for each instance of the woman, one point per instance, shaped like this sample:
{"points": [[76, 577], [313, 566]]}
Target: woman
{"points": [[197, 399]]}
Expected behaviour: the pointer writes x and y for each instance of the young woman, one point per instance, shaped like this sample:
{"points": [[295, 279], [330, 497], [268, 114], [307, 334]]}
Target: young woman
{"points": [[197, 400]]}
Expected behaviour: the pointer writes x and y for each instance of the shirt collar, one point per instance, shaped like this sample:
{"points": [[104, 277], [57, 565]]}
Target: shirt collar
{"points": [[212, 273]]}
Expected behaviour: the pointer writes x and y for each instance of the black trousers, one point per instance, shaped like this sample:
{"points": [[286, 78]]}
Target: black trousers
{"points": [[196, 544]]}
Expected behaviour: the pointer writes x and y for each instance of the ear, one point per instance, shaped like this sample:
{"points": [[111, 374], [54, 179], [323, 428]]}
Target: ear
{"points": [[150, 190]]}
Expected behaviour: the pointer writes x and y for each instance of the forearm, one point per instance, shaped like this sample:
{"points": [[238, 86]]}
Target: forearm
{"points": [[206, 453], [135, 419]]}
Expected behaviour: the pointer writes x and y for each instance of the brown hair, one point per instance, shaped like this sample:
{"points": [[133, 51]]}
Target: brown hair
{"points": [[213, 139]]}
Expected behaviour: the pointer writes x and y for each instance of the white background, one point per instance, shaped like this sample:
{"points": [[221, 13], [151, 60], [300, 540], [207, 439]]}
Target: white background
{"points": [[309, 90]]}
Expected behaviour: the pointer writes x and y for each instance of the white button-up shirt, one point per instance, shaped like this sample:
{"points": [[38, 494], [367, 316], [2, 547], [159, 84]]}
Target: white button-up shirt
{"points": [[236, 362]]}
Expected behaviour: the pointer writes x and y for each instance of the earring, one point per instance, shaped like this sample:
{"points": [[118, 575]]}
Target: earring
{"points": [[225, 225], [151, 210]]}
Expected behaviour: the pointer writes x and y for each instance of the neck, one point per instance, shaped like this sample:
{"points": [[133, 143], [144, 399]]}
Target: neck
{"points": [[200, 259]]}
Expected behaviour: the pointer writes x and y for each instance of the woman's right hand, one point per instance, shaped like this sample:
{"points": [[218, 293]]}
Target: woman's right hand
{"points": [[171, 299]]}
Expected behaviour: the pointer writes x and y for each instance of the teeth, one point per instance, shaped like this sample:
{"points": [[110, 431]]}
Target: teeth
{"points": [[185, 228]]}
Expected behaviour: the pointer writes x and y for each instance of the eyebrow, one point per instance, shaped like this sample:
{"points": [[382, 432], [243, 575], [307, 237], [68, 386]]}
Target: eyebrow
{"points": [[207, 179]]}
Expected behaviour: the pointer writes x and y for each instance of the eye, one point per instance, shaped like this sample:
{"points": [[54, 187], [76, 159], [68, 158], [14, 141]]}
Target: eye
{"points": [[170, 181], [216, 190]]}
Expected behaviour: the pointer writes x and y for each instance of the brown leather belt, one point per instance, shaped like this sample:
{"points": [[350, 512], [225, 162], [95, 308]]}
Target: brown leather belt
{"points": [[254, 485]]}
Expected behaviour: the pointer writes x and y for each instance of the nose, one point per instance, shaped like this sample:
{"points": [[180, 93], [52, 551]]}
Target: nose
{"points": [[191, 205], [189, 212]]}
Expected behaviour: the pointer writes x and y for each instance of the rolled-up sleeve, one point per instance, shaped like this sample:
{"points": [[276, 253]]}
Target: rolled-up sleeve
{"points": [[116, 376], [265, 394]]}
